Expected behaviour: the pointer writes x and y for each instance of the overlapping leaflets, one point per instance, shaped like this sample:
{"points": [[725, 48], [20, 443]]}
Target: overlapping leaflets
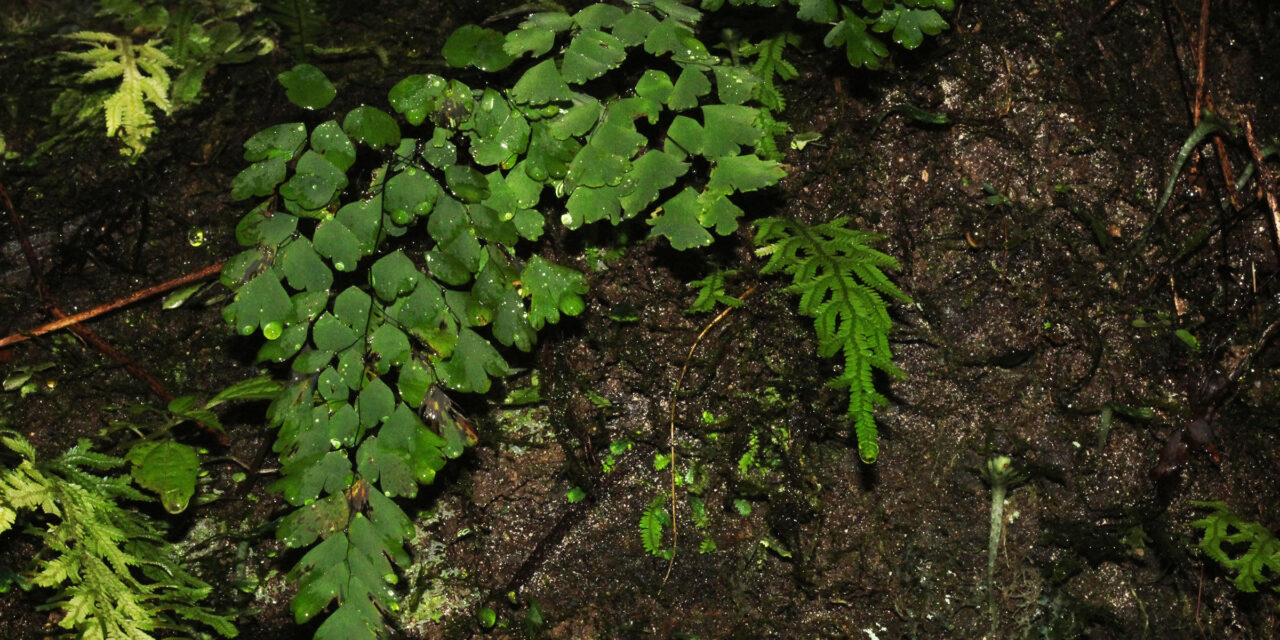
{"points": [[592, 151], [388, 280], [855, 24]]}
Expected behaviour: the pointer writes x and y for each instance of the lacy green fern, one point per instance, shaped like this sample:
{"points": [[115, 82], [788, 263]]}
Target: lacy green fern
{"points": [[711, 292], [1252, 552], [143, 79], [378, 329], [116, 577], [841, 286]]}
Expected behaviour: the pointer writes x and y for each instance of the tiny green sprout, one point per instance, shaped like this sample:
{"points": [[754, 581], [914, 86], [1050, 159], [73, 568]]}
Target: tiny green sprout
{"points": [[575, 494], [1188, 339], [619, 447], [743, 507], [994, 197], [599, 401], [487, 617], [802, 140], [1000, 476]]}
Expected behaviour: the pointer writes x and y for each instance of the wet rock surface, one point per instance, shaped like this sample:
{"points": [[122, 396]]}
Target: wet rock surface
{"points": [[1043, 328]]}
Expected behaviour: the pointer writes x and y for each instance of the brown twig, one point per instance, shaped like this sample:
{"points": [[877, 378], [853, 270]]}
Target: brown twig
{"points": [[1201, 37], [28, 252], [1267, 180], [1204, 101], [671, 436], [70, 321]]}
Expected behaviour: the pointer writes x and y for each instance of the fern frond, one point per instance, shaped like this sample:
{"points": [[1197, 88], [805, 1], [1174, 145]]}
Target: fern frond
{"points": [[652, 523], [118, 577], [143, 79], [300, 22], [843, 288], [770, 64], [711, 292], [1258, 564]]}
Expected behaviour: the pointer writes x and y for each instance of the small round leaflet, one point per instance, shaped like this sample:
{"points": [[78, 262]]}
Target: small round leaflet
{"points": [[306, 86]]}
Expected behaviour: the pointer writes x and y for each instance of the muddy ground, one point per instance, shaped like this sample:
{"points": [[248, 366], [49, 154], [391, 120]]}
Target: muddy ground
{"points": [[1042, 328]]}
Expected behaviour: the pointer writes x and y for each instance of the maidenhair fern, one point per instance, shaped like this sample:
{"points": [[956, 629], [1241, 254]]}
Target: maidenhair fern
{"points": [[855, 24], [389, 262], [842, 287], [116, 577]]}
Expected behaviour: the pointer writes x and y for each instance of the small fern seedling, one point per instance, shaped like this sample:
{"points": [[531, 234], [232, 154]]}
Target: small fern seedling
{"points": [[653, 523], [842, 287], [1252, 552]]}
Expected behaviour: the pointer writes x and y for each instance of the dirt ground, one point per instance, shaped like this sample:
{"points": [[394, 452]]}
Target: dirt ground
{"points": [[1047, 292]]}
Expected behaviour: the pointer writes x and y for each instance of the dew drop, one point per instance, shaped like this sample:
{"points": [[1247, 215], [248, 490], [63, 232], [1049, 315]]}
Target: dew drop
{"points": [[272, 330]]}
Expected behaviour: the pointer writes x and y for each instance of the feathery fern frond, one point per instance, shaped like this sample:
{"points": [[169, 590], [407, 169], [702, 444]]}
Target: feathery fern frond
{"points": [[711, 292], [652, 523], [769, 64], [117, 576], [843, 288], [143, 79], [300, 23], [1259, 562]]}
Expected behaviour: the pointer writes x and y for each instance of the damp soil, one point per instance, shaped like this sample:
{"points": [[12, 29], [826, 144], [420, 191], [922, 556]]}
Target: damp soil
{"points": [[1046, 291]]}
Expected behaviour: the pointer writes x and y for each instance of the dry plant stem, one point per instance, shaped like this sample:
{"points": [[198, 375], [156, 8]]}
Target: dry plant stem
{"points": [[29, 253], [1201, 37], [1204, 101], [142, 294], [671, 436], [86, 334], [1224, 162], [33, 263], [1268, 182]]}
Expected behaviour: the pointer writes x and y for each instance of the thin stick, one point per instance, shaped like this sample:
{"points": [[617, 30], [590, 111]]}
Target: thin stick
{"points": [[1201, 37], [29, 253], [87, 334], [671, 436], [67, 321], [1267, 180]]}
